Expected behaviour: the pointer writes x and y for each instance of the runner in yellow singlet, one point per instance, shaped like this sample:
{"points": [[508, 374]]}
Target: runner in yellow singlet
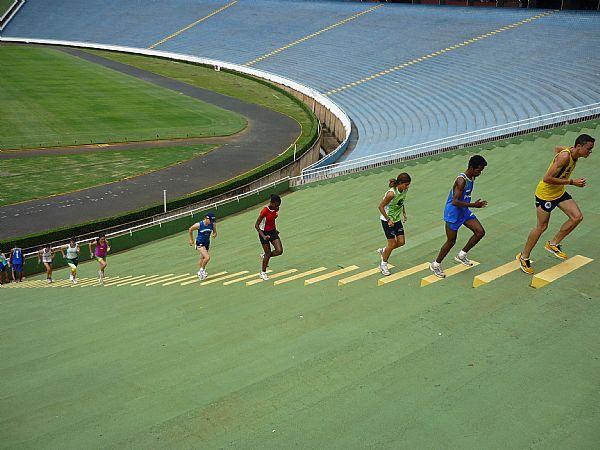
{"points": [[551, 192]]}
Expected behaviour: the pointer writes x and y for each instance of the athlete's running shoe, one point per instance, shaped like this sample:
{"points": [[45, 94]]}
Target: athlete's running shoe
{"points": [[48, 280], [525, 264], [74, 280], [463, 259], [203, 275], [384, 268], [556, 250], [437, 270], [71, 277], [264, 276], [380, 251]]}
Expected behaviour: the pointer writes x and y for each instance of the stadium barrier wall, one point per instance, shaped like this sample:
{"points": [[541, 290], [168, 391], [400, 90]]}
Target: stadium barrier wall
{"points": [[11, 12], [469, 139], [128, 238]]}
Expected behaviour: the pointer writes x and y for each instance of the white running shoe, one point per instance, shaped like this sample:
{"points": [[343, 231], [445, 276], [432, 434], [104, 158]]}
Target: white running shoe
{"points": [[463, 260], [437, 269], [380, 251], [264, 276], [203, 275], [48, 280], [199, 274], [74, 280], [384, 268], [71, 277]]}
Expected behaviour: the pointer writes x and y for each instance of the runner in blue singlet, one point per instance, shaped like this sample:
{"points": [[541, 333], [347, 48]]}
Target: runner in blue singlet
{"points": [[205, 228], [457, 213]]}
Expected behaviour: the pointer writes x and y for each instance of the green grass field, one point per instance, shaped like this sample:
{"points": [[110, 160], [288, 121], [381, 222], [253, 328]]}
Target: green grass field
{"points": [[41, 176], [225, 83], [4, 5], [50, 98], [322, 366]]}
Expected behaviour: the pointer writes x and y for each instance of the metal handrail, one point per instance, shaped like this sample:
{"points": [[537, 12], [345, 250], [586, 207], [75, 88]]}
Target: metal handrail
{"points": [[450, 143], [169, 218]]}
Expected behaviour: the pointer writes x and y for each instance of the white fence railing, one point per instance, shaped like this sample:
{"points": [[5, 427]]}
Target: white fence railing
{"points": [[124, 229], [450, 143]]}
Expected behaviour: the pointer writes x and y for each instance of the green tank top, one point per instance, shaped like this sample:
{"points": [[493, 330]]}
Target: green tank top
{"points": [[394, 208]]}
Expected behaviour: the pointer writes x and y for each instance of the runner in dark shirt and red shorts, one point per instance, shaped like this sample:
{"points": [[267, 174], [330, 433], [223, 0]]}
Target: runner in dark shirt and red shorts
{"points": [[268, 234]]}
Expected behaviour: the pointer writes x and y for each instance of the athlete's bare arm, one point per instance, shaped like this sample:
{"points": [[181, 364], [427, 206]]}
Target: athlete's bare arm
{"points": [[457, 191], [214, 234], [257, 226], [388, 198], [561, 160], [191, 229]]}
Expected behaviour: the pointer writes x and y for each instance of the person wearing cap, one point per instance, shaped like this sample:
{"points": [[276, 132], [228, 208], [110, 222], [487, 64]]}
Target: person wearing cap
{"points": [[205, 228]]}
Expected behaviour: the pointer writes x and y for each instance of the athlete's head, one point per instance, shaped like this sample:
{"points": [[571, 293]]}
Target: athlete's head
{"points": [[584, 145], [72, 241], [211, 217], [101, 238], [275, 202], [402, 181], [476, 165]]}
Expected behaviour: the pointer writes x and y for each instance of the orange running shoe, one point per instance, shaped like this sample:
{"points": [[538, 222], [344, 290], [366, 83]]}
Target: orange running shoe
{"points": [[556, 250], [525, 264]]}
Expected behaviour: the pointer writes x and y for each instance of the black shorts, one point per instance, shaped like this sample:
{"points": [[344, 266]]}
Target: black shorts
{"points": [[549, 205], [206, 245], [73, 261], [392, 232], [273, 236]]}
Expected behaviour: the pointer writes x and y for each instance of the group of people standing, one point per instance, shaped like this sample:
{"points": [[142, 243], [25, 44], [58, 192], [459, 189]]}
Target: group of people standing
{"points": [[550, 193]]}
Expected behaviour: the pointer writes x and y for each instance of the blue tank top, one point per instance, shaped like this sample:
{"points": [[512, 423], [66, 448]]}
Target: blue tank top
{"points": [[17, 256], [453, 213], [204, 232]]}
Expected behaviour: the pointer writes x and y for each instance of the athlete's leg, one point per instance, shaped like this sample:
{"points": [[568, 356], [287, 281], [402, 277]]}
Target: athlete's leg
{"points": [[48, 270], [450, 241], [478, 233], [204, 257], [200, 258], [392, 244], [266, 256], [570, 208], [543, 217], [103, 264], [278, 248], [73, 268]]}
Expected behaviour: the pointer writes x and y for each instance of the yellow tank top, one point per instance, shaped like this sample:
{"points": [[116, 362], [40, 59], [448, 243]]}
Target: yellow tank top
{"points": [[547, 191]]}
